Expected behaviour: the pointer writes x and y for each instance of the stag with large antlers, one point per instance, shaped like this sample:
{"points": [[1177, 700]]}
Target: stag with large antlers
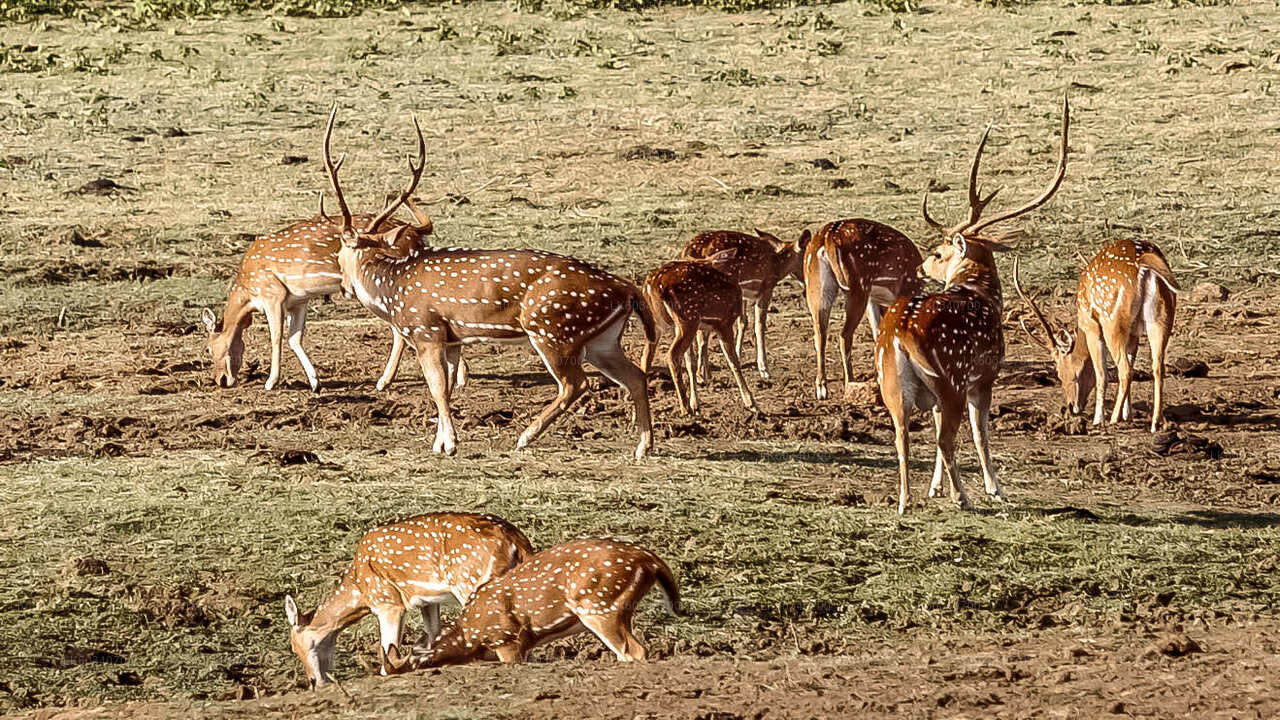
{"points": [[872, 264], [1126, 291], [438, 299], [592, 584], [942, 351], [760, 262], [420, 562], [281, 272]]}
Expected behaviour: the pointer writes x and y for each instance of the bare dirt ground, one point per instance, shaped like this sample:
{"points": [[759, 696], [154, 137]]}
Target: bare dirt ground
{"points": [[152, 523]]}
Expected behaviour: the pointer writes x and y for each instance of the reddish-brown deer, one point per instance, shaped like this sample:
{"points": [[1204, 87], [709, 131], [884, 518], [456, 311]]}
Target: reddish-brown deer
{"points": [[441, 298], [1126, 291], [872, 264], [420, 562], [761, 262], [591, 584], [942, 351], [280, 273], [693, 296]]}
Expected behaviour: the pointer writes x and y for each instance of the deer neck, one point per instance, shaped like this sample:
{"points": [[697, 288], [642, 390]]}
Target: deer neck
{"points": [[979, 278], [340, 610], [361, 270], [236, 313], [455, 646]]}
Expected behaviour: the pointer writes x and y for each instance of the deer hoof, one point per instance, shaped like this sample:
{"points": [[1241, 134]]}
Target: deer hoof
{"points": [[821, 391]]}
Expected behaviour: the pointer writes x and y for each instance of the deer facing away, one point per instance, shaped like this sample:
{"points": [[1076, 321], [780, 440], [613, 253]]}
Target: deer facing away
{"points": [[591, 584], [438, 299], [942, 351], [1126, 291], [418, 562]]}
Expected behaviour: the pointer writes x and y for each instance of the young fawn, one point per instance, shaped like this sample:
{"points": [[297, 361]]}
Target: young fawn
{"points": [[760, 263], [872, 264], [439, 299], [1126, 291], [417, 562], [694, 296], [942, 351], [591, 584]]}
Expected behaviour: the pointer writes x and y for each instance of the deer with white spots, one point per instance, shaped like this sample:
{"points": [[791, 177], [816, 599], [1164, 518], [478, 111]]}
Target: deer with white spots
{"points": [[418, 562], [439, 299], [1126, 291], [761, 262], [942, 351], [871, 264], [590, 584], [694, 296]]}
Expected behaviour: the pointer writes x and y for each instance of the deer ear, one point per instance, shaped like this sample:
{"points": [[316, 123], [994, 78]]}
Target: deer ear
{"points": [[959, 243], [767, 236], [210, 320], [1064, 340], [291, 611], [803, 241]]}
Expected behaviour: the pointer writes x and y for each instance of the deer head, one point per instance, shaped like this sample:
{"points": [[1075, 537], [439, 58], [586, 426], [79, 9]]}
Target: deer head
{"points": [[226, 348], [965, 243], [1072, 363], [790, 255], [312, 648]]}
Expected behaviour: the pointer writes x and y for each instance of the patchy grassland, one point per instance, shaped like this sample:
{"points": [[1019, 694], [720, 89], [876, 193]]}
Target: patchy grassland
{"points": [[149, 517]]}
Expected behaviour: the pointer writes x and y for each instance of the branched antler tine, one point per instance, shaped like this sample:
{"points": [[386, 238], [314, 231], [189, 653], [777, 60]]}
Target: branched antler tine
{"points": [[1053, 186], [984, 202], [323, 214], [1048, 342], [975, 203], [333, 171], [416, 175], [924, 209]]}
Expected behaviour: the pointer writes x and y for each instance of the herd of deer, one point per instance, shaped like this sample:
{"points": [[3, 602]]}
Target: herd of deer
{"points": [[936, 351]]}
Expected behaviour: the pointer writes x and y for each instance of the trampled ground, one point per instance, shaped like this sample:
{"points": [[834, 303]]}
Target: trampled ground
{"points": [[152, 523]]}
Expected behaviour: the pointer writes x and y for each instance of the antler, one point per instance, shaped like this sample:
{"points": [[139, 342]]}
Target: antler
{"points": [[1049, 341], [333, 174], [1040, 200], [924, 208], [413, 184]]}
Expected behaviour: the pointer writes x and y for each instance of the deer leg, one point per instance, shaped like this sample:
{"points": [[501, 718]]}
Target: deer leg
{"points": [[274, 310], [762, 318], [390, 623], [676, 361], [820, 293], [1158, 337], [874, 313], [980, 424], [732, 358], [702, 368], [567, 371], [510, 654], [1124, 374], [431, 359], [393, 362], [605, 352], [935, 485], [1098, 355], [853, 309], [740, 328], [430, 623], [609, 630], [297, 316], [457, 367], [952, 412]]}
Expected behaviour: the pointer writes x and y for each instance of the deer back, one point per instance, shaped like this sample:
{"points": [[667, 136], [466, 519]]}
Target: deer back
{"points": [[761, 260], [692, 290], [863, 253]]}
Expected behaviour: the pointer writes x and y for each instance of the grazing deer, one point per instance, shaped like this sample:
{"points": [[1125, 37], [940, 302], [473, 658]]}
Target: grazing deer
{"points": [[591, 584], [761, 262], [281, 273], [942, 351], [1126, 291], [872, 264], [438, 299], [692, 295], [420, 562]]}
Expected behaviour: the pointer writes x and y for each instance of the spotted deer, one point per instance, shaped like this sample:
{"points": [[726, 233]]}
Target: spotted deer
{"points": [[418, 562], [942, 351], [1126, 291], [693, 296], [439, 299], [760, 263], [871, 264], [591, 584]]}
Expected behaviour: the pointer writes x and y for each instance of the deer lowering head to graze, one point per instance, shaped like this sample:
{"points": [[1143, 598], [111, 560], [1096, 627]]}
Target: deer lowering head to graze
{"points": [[693, 295], [438, 299], [942, 351], [871, 264], [760, 263], [1126, 291], [419, 562], [591, 584]]}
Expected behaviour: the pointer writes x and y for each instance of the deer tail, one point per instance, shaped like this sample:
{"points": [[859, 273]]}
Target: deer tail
{"points": [[667, 581]]}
